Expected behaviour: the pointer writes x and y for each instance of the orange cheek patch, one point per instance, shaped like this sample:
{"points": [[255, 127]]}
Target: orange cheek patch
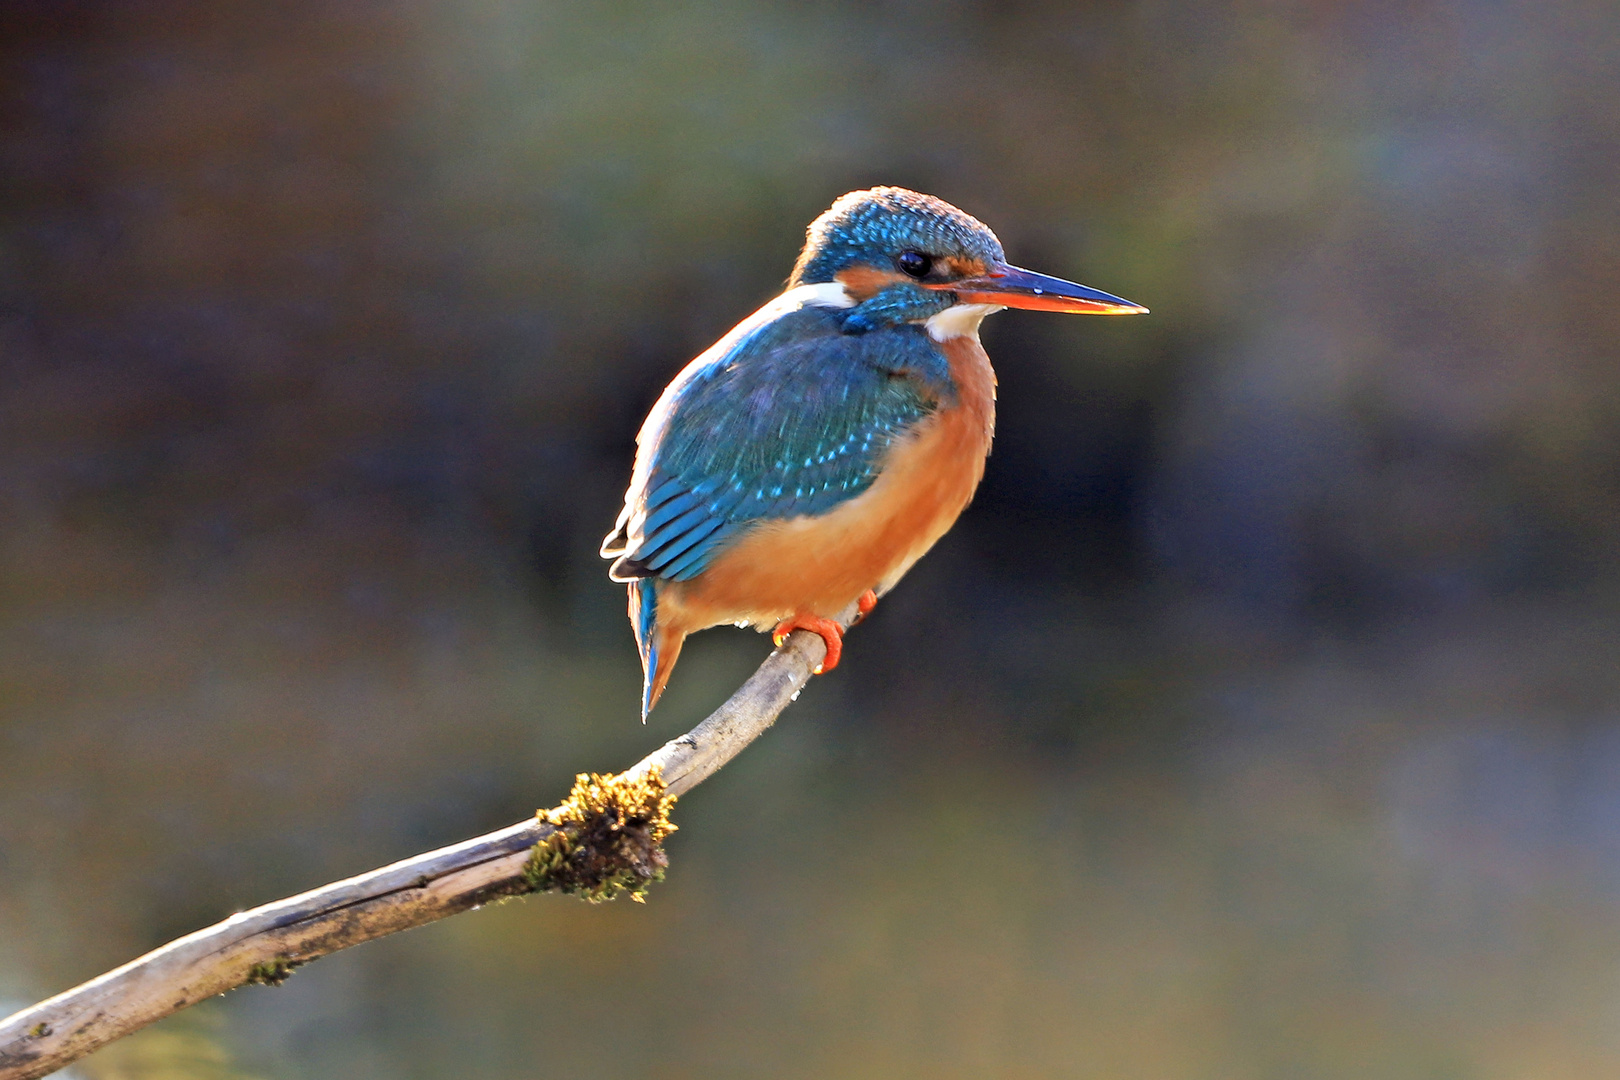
{"points": [[862, 282], [961, 267]]}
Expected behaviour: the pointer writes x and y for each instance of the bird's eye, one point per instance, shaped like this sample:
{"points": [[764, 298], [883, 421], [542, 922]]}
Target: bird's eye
{"points": [[914, 263]]}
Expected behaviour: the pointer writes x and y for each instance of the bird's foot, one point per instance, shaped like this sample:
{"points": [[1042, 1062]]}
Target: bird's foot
{"points": [[864, 606], [830, 632]]}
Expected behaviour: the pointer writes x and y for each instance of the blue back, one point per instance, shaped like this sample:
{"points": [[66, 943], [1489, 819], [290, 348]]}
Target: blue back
{"points": [[795, 419]]}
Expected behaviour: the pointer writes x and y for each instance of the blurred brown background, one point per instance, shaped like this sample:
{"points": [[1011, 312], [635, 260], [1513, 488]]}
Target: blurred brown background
{"points": [[1261, 719]]}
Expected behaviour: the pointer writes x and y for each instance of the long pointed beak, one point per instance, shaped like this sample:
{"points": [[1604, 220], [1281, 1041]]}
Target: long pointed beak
{"points": [[1011, 287]]}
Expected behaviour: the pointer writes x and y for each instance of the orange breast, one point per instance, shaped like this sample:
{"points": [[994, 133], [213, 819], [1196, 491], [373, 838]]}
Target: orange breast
{"points": [[821, 564]]}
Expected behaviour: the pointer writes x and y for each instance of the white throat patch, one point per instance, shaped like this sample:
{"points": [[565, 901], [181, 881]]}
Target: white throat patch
{"points": [[960, 320]]}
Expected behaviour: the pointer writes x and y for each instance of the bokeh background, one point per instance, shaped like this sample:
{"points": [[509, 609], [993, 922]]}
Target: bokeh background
{"points": [[1261, 718]]}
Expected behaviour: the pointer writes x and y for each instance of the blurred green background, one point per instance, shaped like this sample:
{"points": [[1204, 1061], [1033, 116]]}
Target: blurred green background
{"points": [[1261, 718]]}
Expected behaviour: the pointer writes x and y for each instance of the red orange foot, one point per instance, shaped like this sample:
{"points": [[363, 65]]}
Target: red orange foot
{"points": [[864, 605], [830, 632]]}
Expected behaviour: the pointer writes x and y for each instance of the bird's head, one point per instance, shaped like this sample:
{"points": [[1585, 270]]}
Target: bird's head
{"points": [[904, 244]]}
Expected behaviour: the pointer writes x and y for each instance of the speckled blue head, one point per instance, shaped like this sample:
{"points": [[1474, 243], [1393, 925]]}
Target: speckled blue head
{"points": [[874, 228]]}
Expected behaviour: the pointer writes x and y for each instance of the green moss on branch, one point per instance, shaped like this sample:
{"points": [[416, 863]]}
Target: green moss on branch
{"points": [[272, 972], [608, 838]]}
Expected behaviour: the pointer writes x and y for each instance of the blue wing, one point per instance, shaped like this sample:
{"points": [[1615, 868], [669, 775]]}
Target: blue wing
{"points": [[791, 418]]}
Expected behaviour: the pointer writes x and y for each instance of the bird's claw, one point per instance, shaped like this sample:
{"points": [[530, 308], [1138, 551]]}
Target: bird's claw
{"points": [[829, 631]]}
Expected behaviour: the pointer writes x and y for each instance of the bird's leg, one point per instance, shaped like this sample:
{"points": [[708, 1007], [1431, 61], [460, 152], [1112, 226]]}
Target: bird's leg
{"points": [[864, 605], [830, 632]]}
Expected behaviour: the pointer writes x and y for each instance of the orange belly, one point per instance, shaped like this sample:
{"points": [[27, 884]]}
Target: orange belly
{"points": [[819, 565]]}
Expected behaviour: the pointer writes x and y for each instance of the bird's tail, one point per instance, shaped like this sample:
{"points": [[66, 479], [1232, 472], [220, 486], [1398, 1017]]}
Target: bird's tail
{"points": [[660, 646]]}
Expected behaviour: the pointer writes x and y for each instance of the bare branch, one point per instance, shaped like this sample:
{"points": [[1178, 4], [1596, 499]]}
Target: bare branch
{"points": [[266, 943]]}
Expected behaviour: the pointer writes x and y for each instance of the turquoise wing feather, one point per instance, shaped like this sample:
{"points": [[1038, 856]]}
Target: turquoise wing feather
{"points": [[794, 419]]}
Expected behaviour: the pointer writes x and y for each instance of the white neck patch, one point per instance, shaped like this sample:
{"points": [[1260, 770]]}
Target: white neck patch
{"points": [[821, 294], [960, 320]]}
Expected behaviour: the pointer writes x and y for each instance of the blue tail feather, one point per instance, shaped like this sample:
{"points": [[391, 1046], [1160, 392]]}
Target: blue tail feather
{"points": [[644, 616]]}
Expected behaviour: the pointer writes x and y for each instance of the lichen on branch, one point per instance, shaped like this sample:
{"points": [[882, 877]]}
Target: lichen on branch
{"points": [[607, 838], [272, 972]]}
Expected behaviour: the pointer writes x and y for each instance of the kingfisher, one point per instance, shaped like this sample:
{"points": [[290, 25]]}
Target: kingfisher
{"points": [[806, 460]]}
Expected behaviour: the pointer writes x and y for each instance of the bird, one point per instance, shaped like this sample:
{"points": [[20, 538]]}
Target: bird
{"points": [[806, 460]]}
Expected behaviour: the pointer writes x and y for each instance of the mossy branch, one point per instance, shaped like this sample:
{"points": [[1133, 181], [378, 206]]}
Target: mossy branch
{"points": [[605, 839]]}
